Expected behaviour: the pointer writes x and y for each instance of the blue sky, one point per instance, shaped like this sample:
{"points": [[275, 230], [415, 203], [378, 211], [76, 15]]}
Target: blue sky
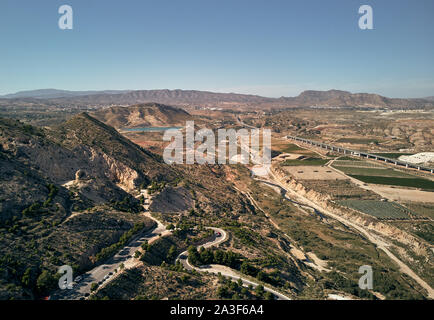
{"points": [[266, 47]]}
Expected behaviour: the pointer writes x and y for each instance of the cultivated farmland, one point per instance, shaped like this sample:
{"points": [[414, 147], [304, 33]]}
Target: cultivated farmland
{"points": [[373, 172], [378, 209], [393, 181]]}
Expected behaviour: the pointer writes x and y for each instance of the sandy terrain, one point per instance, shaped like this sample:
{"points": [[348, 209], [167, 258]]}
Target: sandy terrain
{"points": [[313, 173], [259, 170], [422, 157], [403, 194], [288, 156]]}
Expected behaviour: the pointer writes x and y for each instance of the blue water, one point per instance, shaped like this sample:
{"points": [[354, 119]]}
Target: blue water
{"points": [[150, 129]]}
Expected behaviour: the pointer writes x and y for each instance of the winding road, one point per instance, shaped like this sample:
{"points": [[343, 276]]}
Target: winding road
{"points": [[103, 273], [220, 237]]}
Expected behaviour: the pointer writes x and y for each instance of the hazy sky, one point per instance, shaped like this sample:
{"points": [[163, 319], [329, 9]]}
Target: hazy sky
{"points": [[268, 47]]}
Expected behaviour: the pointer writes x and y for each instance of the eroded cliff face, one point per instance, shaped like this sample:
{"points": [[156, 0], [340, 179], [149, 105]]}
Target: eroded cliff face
{"points": [[122, 175], [61, 164], [367, 221]]}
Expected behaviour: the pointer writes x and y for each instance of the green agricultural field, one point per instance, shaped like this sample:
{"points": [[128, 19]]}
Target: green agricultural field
{"points": [[373, 172], [305, 162], [393, 181], [393, 155], [357, 140], [348, 158], [378, 209]]}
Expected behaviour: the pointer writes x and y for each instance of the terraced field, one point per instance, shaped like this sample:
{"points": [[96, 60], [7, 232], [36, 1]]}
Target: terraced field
{"points": [[378, 209]]}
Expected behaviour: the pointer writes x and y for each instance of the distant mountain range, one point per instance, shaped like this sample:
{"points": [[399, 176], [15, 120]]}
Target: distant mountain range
{"points": [[55, 93], [330, 98]]}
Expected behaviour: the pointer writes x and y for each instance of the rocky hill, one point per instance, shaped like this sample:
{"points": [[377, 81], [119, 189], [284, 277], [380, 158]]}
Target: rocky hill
{"points": [[64, 196], [142, 115], [67, 192]]}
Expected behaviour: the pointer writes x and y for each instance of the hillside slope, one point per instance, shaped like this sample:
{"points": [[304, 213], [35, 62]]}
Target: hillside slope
{"points": [[142, 115]]}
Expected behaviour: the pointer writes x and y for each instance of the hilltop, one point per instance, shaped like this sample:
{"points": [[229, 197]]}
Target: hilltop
{"points": [[142, 115]]}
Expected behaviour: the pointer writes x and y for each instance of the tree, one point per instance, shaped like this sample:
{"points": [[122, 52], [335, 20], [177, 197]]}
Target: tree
{"points": [[268, 296], [222, 292], [206, 256], [193, 255], [246, 268], [240, 282], [45, 282], [261, 276], [170, 226], [259, 290], [25, 280], [171, 253], [219, 257], [93, 286]]}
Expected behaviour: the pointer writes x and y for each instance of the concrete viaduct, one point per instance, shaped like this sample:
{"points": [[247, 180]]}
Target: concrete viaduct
{"points": [[361, 154]]}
